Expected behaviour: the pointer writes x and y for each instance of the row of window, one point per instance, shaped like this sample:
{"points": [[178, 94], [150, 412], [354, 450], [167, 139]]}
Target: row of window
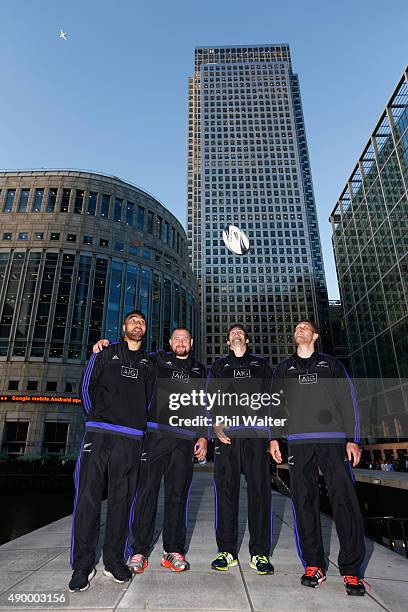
{"points": [[54, 438], [50, 385], [119, 246], [94, 204], [54, 304]]}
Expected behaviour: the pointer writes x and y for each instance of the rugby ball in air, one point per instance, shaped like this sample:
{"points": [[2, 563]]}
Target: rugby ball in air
{"points": [[235, 240]]}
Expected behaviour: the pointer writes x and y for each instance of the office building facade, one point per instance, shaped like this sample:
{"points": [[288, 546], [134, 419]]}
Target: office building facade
{"points": [[248, 167], [370, 241], [77, 251]]}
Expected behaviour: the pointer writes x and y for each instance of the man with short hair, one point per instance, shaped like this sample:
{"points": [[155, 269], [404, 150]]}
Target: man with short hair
{"points": [[235, 455], [115, 390], [323, 432], [167, 452]]}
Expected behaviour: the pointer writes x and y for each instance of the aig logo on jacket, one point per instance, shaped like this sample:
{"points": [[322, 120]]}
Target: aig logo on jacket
{"points": [[242, 373], [182, 376], [129, 372], [307, 379]]}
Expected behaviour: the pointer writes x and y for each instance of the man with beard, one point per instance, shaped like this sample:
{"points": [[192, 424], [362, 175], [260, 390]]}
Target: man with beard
{"points": [[323, 432], [234, 455], [115, 390], [167, 452]]}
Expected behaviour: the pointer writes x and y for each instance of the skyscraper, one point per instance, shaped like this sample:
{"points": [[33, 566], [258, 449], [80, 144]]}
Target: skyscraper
{"points": [[370, 241], [248, 167]]}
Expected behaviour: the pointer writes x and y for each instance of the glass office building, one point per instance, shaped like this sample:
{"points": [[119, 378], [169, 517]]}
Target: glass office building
{"points": [[77, 251], [248, 167], [370, 241]]}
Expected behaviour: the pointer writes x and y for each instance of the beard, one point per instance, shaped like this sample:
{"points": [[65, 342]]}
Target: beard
{"points": [[181, 351], [135, 334]]}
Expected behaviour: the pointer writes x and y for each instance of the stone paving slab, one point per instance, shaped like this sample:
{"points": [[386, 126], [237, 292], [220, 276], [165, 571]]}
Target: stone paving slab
{"points": [[39, 562]]}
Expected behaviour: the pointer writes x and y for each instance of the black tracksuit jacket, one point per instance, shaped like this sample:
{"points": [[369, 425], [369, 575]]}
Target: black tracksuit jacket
{"points": [[319, 399], [116, 389]]}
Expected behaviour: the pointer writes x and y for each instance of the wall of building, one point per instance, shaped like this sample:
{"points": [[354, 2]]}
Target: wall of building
{"points": [[370, 241], [77, 251]]}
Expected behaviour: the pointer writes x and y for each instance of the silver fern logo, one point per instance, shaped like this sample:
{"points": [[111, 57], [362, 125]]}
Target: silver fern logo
{"points": [[236, 240]]}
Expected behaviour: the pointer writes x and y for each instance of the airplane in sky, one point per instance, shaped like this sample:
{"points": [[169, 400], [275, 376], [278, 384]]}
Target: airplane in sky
{"points": [[63, 34]]}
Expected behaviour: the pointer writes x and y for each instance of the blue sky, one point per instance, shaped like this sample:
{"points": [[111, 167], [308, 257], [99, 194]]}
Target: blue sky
{"points": [[113, 98]]}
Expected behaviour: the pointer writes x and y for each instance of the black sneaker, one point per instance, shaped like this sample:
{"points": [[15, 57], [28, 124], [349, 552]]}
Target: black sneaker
{"points": [[224, 561], [80, 579], [313, 576], [119, 573], [354, 585], [262, 564]]}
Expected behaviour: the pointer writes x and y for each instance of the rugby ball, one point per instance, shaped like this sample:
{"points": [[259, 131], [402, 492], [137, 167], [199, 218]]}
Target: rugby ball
{"points": [[236, 240]]}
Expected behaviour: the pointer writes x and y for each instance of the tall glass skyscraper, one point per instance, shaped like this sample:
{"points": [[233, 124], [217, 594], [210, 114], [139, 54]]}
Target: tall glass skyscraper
{"points": [[370, 241], [248, 167]]}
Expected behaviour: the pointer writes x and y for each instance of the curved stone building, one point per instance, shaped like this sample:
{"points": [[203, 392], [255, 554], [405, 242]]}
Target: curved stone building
{"points": [[77, 251]]}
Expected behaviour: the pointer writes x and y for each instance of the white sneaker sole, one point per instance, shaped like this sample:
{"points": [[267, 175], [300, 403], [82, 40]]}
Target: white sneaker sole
{"points": [[233, 563], [85, 588], [110, 575]]}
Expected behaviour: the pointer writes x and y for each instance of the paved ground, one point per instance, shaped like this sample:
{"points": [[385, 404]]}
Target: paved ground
{"points": [[39, 563]]}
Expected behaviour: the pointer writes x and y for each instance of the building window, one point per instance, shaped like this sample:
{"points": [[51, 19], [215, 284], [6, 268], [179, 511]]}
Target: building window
{"points": [[159, 223], [55, 439], [8, 204], [44, 306], [7, 236], [23, 203], [66, 194], [71, 237], [54, 236], [87, 240], [117, 211], [13, 385], [69, 387], [51, 385], [52, 199], [105, 206], [92, 203], [22, 236], [140, 218], [166, 232], [150, 220], [79, 308], [79, 202], [132, 250], [15, 437], [103, 242], [38, 235], [129, 213], [32, 385], [37, 202], [119, 247]]}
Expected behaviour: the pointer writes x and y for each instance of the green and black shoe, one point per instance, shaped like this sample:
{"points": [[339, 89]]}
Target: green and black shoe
{"points": [[224, 561], [261, 564]]}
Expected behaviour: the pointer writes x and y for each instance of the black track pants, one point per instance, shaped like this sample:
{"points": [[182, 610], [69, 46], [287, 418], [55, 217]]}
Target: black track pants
{"points": [[304, 461], [251, 458], [120, 456], [172, 458]]}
